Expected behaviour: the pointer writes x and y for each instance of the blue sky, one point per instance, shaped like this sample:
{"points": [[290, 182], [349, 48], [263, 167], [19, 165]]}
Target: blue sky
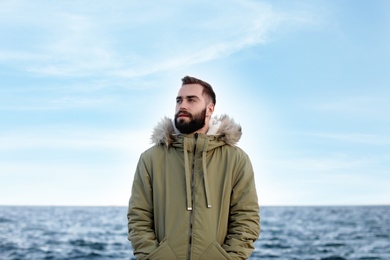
{"points": [[83, 83]]}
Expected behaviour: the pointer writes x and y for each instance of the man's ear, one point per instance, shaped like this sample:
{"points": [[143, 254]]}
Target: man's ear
{"points": [[210, 109]]}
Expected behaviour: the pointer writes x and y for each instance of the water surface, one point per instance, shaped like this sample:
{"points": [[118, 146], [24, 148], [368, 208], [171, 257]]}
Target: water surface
{"points": [[324, 233]]}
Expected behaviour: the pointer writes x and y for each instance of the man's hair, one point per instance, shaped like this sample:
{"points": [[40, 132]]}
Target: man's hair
{"points": [[207, 89]]}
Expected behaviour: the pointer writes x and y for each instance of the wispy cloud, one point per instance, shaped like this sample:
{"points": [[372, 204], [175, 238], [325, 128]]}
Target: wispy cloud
{"points": [[79, 43], [373, 106], [328, 179], [320, 164], [74, 139], [371, 139], [57, 103]]}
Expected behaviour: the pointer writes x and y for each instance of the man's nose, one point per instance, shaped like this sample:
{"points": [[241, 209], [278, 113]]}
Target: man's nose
{"points": [[183, 105]]}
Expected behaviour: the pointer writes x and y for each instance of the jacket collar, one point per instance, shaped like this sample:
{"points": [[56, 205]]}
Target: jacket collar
{"points": [[223, 128]]}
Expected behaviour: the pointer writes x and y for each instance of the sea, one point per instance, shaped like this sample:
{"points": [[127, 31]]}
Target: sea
{"points": [[324, 233]]}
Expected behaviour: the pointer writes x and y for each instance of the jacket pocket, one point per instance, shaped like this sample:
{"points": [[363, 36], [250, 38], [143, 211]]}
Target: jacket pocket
{"points": [[215, 252], [162, 252]]}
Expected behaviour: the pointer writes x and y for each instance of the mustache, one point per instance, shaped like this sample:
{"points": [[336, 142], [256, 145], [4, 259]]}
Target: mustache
{"points": [[183, 113]]}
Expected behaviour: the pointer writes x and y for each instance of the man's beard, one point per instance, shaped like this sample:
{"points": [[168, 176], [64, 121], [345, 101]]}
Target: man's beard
{"points": [[196, 122]]}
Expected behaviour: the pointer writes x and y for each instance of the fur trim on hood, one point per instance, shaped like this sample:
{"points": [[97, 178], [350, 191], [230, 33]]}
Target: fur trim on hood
{"points": [[224, 127]]}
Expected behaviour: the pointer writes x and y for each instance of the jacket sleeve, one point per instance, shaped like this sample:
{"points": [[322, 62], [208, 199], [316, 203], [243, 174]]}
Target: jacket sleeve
{"points": [[244, 217], [140, 213]]}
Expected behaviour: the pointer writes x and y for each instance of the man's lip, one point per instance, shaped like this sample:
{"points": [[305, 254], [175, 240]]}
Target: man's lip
{"points": [[183, 115]]}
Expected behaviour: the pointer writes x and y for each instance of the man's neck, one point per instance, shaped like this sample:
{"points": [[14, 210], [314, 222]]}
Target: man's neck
{"points": [[204, 129], [201, 131]]}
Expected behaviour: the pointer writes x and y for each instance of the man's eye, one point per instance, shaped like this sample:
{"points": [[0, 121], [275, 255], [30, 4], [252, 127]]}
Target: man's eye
{"points": [[178, 101]]}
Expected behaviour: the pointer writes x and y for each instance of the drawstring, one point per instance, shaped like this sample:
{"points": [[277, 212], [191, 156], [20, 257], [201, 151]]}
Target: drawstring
{"points": [[205, 179], [188, 178], [188, 175]]}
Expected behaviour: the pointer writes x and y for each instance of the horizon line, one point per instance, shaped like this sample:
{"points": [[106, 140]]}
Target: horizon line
{"points": [[268, 205]]}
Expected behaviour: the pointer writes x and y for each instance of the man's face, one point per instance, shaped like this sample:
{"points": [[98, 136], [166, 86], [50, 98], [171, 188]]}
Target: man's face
{"points": [[191, 109]]}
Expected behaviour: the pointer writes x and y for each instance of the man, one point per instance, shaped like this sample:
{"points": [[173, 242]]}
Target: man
{"points": [[193, 194]]}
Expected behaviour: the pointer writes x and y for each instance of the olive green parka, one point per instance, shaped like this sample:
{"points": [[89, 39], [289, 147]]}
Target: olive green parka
{"points": [[194, 196]]}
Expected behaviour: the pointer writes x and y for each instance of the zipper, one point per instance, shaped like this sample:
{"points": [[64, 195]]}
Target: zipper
{"points": [[192, 197]]}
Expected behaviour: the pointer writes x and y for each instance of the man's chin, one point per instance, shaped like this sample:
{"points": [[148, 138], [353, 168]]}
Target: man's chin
{"points": [[181, 125], [183, 120]]}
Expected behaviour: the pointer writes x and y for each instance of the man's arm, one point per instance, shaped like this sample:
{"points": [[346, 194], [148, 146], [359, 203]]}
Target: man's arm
{"points": [[140, 213], [244, 219]]}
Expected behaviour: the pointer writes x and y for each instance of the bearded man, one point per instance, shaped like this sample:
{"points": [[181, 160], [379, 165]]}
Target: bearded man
{"points": [[193, 194]]}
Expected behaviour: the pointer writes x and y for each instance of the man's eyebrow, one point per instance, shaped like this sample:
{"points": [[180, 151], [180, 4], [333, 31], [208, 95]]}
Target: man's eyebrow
{"points": [[187, 97], [192, 96]]}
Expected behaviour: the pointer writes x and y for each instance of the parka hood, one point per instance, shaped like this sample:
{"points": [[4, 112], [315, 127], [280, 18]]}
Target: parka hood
{"points": [[224, 128]]}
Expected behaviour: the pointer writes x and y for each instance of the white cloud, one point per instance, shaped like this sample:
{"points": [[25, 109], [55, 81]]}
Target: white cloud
{"points": [[371, 139], [75, 138], [48, 183], [372, 106], [57, 103], [313, 167], [69, 165], [80, 43], [327, 180]]}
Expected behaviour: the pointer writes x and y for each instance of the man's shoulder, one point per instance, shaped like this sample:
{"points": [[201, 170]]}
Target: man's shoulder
{"points": [[235, 151], [155, 151]]}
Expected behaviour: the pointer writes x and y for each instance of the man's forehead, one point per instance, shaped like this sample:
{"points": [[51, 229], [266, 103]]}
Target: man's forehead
{"points": [[191, 90]]}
